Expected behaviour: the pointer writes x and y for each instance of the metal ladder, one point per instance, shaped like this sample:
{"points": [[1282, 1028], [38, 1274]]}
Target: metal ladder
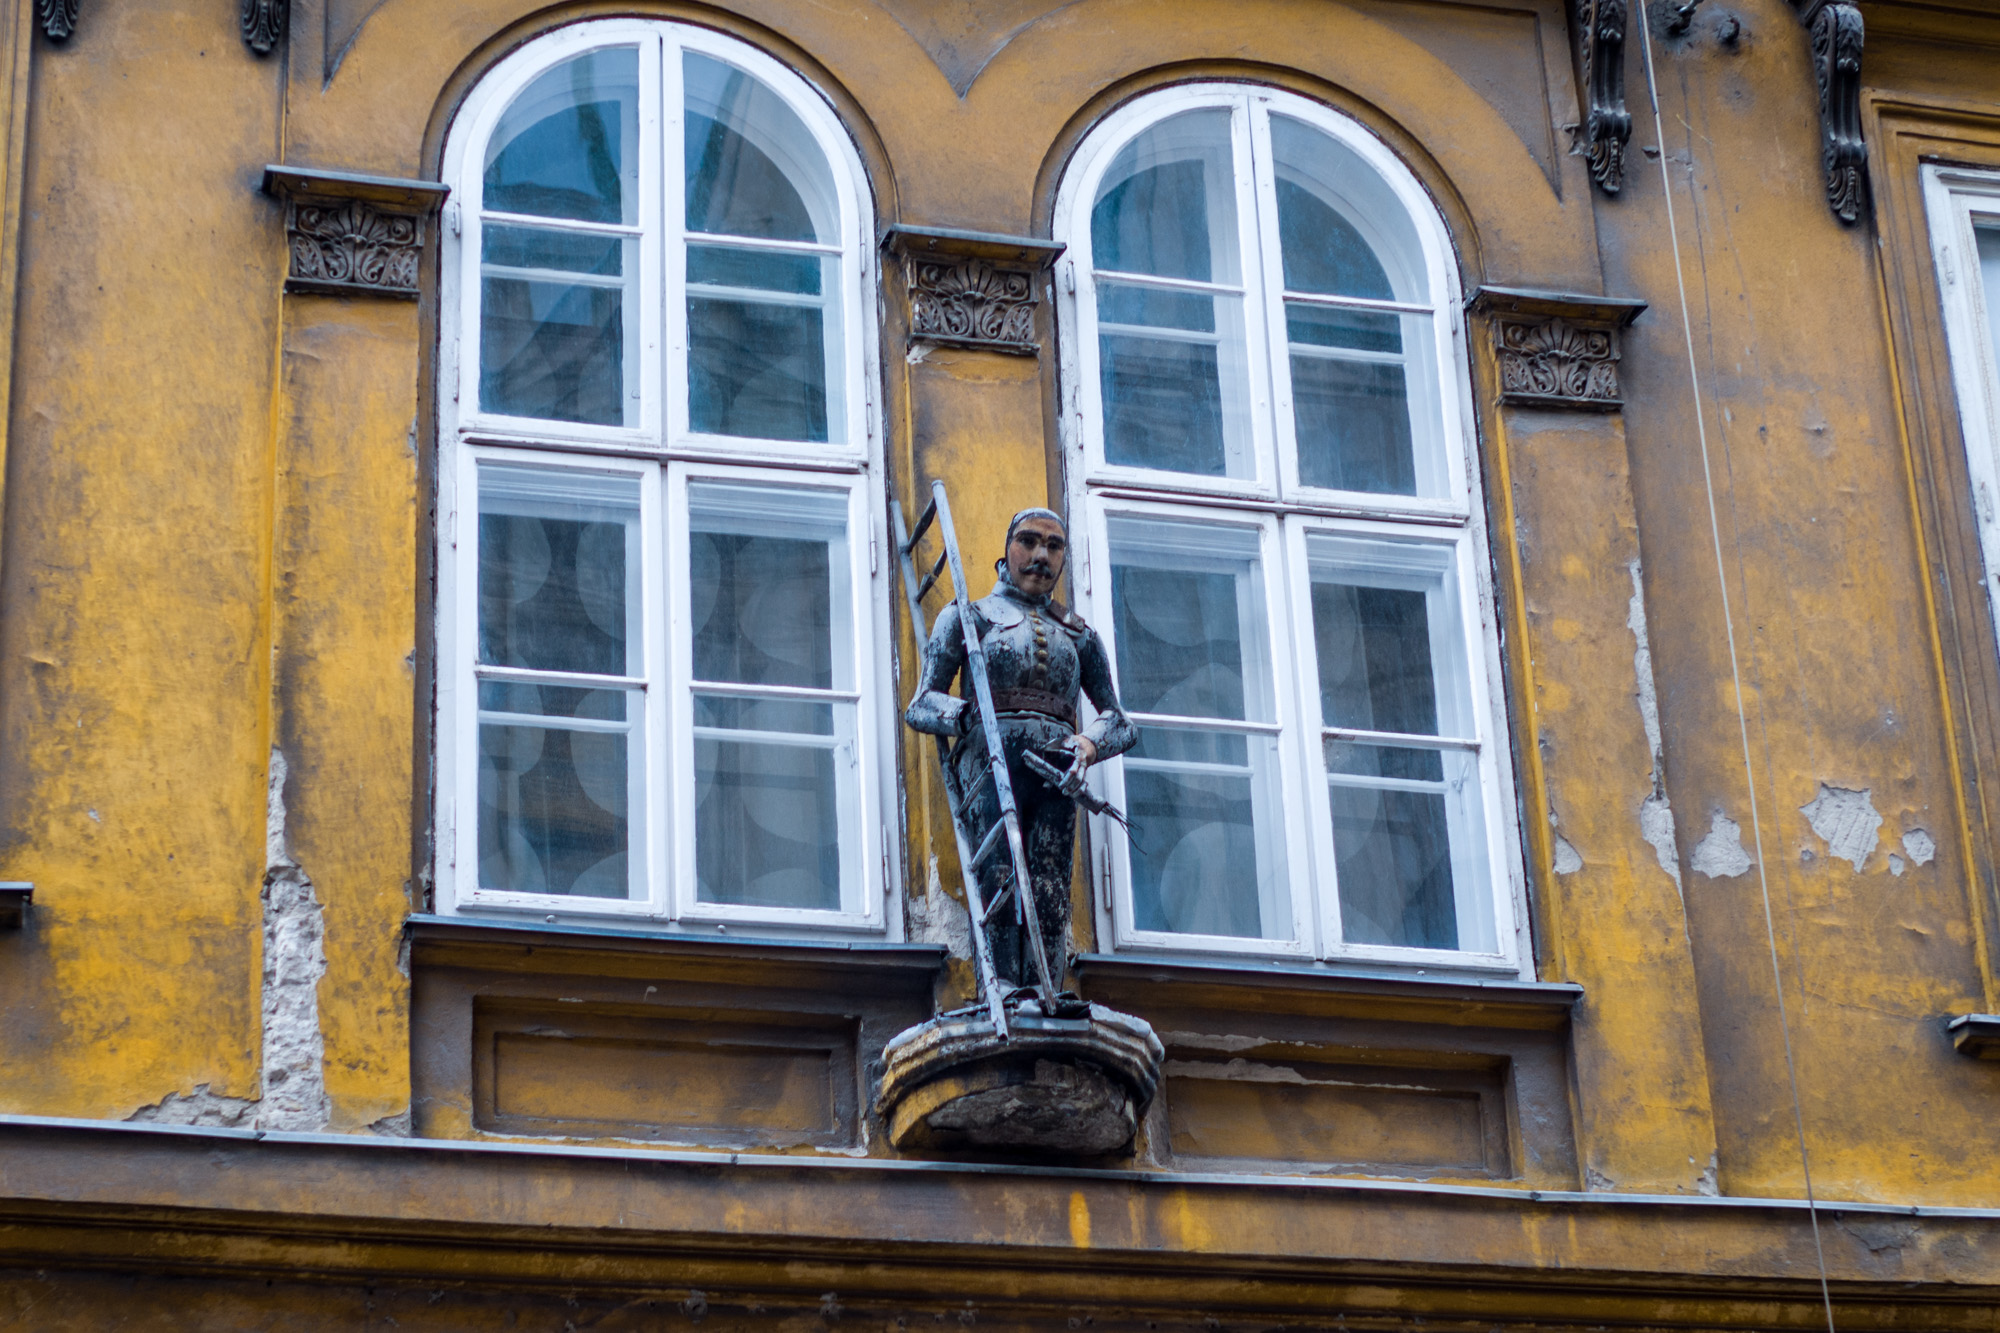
{"points": [[1008, 829]]}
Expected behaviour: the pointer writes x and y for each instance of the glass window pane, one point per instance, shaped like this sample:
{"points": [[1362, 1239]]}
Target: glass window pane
{"points": [[753, 168], [1409, 847], [555, 802], [777, 786], [1207, 806], [558, 326], [1188, 605], [567, 147], [774, 787], [1374, 651], [1341, 230], [1989, 265], [1167, 204], [558, 555], [1207, 854], [769, 586], [1174, 375], [1409, 837], [761, 364], [1174, 367]]}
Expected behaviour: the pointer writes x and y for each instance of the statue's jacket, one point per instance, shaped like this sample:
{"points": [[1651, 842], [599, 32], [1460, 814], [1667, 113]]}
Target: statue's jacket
{"points": [[1039, 657]]}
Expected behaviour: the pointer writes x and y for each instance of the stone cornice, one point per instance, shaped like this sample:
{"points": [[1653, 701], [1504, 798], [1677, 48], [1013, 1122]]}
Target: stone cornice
{"points": [[899, 1235]]}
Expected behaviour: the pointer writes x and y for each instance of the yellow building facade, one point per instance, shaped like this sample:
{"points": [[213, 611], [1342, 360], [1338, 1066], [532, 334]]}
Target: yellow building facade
{"points": [[465, 875]]}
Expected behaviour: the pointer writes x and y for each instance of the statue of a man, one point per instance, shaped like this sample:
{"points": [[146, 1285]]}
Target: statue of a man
{"points": [[1039, 656]]}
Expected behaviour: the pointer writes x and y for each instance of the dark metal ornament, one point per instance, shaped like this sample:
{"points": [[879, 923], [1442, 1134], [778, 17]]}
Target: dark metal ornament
{"points": [[263, 24], [1837, 36], [1607, 126], [58, 18]]}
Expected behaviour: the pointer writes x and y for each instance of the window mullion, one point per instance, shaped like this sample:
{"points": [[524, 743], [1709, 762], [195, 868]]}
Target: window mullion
{"points": [[673, 367], [1267, 283]]}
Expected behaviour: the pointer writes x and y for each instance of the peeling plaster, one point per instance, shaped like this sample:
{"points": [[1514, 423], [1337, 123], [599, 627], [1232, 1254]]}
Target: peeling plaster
{"points": [[1656, 813], [1720, 854], [1895, 864], [395, 1126], [939, 918], [1707, 1183], [200, 1107], [1568, 859], [294, 1080], [1920, 847], [1846, 820]]}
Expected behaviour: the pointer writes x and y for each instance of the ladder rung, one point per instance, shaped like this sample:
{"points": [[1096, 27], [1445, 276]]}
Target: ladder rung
{"points": [[991, 841], [924, 521], [999, 901], [930, 579]]}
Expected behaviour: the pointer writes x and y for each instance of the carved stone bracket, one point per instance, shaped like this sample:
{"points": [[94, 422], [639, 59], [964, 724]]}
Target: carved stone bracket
{"points": [[58, 18], [972, 289], [353, 235], [1837, 36], [1554, 349], [263, 23], [1607, 125]]}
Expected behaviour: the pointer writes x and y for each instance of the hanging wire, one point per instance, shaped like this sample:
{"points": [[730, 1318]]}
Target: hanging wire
{"points": [[1735, 672]]}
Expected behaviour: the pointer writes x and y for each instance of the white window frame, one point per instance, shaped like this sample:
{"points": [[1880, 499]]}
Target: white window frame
{"points": [[1958, 199], [1288, 513], [664, 456]]}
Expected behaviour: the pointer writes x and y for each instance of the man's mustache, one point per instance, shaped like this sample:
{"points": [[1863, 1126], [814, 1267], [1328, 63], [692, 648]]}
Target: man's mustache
{"points": [[1037, 567]]}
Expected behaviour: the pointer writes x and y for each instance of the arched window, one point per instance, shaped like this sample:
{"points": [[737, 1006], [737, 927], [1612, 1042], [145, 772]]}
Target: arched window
{"points": [[1265, 386], [662, 624]]}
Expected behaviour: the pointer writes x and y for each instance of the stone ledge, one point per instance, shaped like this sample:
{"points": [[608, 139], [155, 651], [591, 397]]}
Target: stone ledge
{"points": [[110, 1196]]}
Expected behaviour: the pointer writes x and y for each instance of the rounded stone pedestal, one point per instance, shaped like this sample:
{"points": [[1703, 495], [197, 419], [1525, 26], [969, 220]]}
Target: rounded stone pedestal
{"points": [[1065, 1086]]}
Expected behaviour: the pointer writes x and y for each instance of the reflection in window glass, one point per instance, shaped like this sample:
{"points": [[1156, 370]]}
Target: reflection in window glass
{"points": [[1407, 825], [1190, 631], [558, 770], [759, 358], [776, 787], [567, 147], [753, 168], [1174, 373], [558, 325]]}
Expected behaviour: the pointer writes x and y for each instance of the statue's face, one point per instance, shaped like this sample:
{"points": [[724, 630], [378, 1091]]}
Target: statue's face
{"points": [[1035, 556]]}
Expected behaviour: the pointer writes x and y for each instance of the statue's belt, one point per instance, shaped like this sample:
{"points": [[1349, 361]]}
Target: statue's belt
{"points": [[1045, 702]]}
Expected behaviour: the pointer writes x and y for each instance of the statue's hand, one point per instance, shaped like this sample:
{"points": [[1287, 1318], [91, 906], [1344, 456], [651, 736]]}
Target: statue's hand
{"points": [[1085, 753]]}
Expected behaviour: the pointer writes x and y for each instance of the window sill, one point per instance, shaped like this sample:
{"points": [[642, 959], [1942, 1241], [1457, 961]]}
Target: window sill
{"points": [[1318, 991], [468, 941]]}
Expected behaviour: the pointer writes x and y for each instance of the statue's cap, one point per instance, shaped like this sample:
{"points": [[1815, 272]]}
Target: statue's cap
{"points": [[1027, 514]]}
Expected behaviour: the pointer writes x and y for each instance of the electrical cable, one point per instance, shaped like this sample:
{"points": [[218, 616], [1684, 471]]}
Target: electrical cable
{"points": [[1735, 673]]}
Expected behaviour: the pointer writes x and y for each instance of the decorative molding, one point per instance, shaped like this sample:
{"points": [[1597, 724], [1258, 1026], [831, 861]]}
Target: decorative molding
{"points": [[1607, 125], [1837, 37], [972, 289], [58, 18], [264, 24], [353, 235], [1555, 349]]}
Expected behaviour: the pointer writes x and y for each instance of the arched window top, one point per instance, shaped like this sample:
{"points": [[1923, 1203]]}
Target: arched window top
{"points": [[1229, 237], [661, 240]]}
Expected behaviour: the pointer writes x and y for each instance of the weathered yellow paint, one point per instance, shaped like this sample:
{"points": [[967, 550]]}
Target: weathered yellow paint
{"points": [[217, 542]]}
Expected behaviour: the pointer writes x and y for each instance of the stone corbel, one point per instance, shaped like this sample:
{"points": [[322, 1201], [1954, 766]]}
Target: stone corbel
{"points": [[353, 235], [972, 289], [1607, 125], [1555, 349], [1837, 36]]}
